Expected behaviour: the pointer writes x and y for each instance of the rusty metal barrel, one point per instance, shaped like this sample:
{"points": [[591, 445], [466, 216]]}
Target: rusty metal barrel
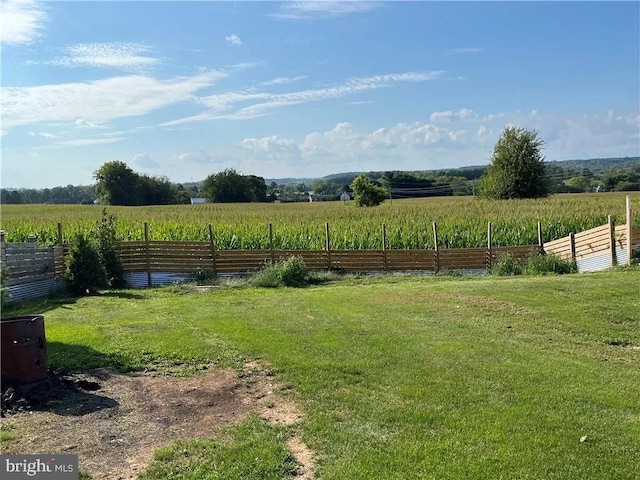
{"points": [[24, 349]]}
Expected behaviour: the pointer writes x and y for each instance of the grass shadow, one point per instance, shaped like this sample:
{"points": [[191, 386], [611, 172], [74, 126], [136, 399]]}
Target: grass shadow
{"points": [[122, 294], [57, 394], [67, 358]]}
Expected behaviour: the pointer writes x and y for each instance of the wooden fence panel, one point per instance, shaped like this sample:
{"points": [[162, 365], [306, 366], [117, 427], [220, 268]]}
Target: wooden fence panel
{"points": [[560, 247], [26, 262], [358, 260], [398, 260], [463, 258]]}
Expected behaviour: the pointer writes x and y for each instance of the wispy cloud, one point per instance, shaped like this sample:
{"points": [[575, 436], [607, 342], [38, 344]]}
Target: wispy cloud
{"points": [[226, 106], [449, 115], [362, 102], [467, 50], [282, 80], [21, 21], [117, 55], [98, 101], [233, 40], [82, 123], [307, 10], [83, 142]]}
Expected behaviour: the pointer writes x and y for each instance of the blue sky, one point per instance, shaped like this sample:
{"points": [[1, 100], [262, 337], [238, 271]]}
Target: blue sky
{"points": [[306, 89]]}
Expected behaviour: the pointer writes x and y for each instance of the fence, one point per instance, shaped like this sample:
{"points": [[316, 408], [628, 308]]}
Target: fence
{"points": [[30, 269], [152, 262], [35, 271], [601, 247]]}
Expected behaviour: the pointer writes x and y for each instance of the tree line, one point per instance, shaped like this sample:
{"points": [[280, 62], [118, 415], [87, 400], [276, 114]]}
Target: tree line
{"points": [[517, 169]]}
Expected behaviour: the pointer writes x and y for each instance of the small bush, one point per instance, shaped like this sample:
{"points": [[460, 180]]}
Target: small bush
{"points": [[107, 246], [288, 273], [85, 273], [507, 265], [543, 264]]}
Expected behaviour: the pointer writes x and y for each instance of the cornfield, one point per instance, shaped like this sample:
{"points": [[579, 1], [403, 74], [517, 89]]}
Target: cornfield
{"points": [[461, 222]]}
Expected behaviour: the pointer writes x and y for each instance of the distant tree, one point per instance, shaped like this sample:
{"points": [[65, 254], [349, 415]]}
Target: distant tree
{"points": [[156, 190], [230, 186], [366, 193], [182, 197], [581, 183], [517, 168], [117, 184], [257, 187], [11, 196]]}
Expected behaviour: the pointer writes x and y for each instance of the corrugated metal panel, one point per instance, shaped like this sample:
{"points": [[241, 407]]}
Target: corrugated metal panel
{"points": [[594, 264], [38, 289], [139, 279], [621, 256]]}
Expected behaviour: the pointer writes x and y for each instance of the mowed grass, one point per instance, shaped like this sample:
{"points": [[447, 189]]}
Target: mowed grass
{"points": [[462, 222], [400, 377]]}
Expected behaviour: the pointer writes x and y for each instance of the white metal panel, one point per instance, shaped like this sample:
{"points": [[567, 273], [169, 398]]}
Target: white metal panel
{"points": [[37, 289]]}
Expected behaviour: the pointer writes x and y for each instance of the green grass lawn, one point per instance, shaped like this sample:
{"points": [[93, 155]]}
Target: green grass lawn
{"points": [[400, 377]]}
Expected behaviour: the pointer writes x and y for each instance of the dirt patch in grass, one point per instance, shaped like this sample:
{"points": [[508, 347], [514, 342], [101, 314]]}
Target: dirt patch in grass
{"points": [[115, 421]]}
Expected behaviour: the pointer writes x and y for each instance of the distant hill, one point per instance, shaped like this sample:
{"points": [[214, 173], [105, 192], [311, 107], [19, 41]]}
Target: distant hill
{"points": [[597, 165]]}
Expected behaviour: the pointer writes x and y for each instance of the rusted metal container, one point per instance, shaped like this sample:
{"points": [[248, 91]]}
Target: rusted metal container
{"points": [[24, 349]]}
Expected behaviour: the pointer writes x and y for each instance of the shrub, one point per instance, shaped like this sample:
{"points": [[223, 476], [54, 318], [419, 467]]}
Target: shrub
{"points": [[85, 273], [287, 273], [543, 264], [507, 265], [107, 246]]}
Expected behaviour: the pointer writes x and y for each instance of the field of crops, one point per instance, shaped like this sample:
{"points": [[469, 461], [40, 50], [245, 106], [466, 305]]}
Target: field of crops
{"points": [[462, 221]]}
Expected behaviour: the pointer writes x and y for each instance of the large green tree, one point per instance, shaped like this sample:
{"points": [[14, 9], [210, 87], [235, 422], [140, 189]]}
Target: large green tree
{"points": [[517, 168], [366, 192], [229, 186], [117, 184]]}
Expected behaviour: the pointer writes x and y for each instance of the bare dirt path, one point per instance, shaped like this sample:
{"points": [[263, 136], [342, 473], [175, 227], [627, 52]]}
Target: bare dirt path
{"points": [[115, 421]]}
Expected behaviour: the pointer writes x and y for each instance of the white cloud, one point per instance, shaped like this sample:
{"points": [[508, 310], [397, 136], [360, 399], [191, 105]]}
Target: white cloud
{"points": [[307, 10], [84, 142], [362, 102], [233, 40], [424, 145], [21, 21], [48, 135], [282, 80], [201, 156], [115, 55], [271, 147], [82, 123], [98, 101], [145, 160], [448, 116], [222, 105]]}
